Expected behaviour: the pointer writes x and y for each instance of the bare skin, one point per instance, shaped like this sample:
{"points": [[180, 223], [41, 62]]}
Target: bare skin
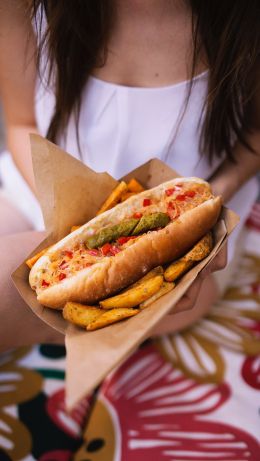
{"points": [[150, 46], [19, 326], [12, 220]]}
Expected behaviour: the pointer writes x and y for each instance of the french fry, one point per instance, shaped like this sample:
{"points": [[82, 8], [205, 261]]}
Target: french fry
{"points": [[196, 254], [126, 195], [111, 316], [134, 295], [135, 186], [165, 288], [31, 261], [156, 271], [201, 249], [114, 197], [81, 315], [74, 228], [176, 269]]}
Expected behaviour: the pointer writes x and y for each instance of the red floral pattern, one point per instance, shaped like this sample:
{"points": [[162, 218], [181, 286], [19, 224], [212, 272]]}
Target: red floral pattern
{"points": [[160, 414], [251, 371]]}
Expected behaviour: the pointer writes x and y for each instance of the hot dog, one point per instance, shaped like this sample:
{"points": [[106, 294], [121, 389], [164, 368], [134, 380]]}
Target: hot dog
{"points": [[118, 247]]}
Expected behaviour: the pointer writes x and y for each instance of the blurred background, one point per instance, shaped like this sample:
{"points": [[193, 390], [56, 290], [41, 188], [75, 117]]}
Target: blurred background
{"points": [[1, 130]]}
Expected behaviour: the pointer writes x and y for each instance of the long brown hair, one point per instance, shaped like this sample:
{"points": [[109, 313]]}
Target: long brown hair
{"points": [[228, 31]]}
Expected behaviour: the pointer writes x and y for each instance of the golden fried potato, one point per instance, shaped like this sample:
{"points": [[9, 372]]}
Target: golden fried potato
{"points": [[111, 316], [135, 294], [176, 269], [114, 198], [31, 261], [80, 314], [156, 271], [165, 288], [201, 249], [135, 186], [196, 254]]}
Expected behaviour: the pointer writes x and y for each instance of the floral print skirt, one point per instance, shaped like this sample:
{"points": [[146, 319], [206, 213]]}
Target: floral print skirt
{"points": [[189, 396]]}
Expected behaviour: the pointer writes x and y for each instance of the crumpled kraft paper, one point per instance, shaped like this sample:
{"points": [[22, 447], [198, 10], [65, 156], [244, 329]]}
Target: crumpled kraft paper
{"points": [[70, 193]]}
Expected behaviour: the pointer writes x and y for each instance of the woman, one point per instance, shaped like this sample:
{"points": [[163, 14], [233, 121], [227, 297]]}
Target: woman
{"points": [[123, 81]]}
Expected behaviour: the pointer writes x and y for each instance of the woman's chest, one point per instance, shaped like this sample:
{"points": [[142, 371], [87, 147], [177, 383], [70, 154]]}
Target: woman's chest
{"points": [[150, 48]]}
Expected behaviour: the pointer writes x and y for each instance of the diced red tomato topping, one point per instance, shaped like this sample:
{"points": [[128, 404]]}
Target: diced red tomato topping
{"points": [[110, 250], [173, 210], [147, 202], [171, 205], [63, 265], [122, 240], [185, 195], [173, 189], [62, 276], [106, 249], [114, 250], [190, 193], [68, 253], [45, 284], [181, 197], [93, 252], [169, 192], [137, 215]]}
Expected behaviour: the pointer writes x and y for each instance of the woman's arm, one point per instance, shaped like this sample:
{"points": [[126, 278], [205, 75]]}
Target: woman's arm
{"points": [[227, 180], [19, 326], [17, 82], [231, 176]]}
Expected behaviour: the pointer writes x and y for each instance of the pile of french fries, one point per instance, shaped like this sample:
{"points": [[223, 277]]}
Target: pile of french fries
{"points": [[141, 294]]}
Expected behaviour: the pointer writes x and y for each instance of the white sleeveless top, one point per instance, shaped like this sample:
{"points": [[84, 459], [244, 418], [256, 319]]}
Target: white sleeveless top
{"points": [[122, 127]]}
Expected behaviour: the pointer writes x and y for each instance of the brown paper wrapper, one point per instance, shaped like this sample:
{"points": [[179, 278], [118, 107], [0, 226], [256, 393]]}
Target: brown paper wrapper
{"points": [[70, 193]]}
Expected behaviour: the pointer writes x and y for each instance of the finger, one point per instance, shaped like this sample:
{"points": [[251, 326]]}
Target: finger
{"points": [[189, 298], [218, 263], [221, 259]]}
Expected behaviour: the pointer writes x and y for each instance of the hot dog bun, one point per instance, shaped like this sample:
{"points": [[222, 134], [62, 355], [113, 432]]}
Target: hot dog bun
{"points": [[110, 274]]}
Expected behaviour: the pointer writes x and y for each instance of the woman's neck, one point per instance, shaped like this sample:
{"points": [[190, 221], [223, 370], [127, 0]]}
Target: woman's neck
{"points": [[150, 44], [150, 8]]}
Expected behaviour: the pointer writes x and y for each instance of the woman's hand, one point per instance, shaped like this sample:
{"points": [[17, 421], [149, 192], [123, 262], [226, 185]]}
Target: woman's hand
{"points": [[196, 302], [19, 326], [189, 298]]}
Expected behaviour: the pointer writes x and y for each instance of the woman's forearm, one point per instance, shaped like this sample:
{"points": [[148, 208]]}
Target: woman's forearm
{"points": [[18, 143], [18, 74], [19, 326], [231, 176]]}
